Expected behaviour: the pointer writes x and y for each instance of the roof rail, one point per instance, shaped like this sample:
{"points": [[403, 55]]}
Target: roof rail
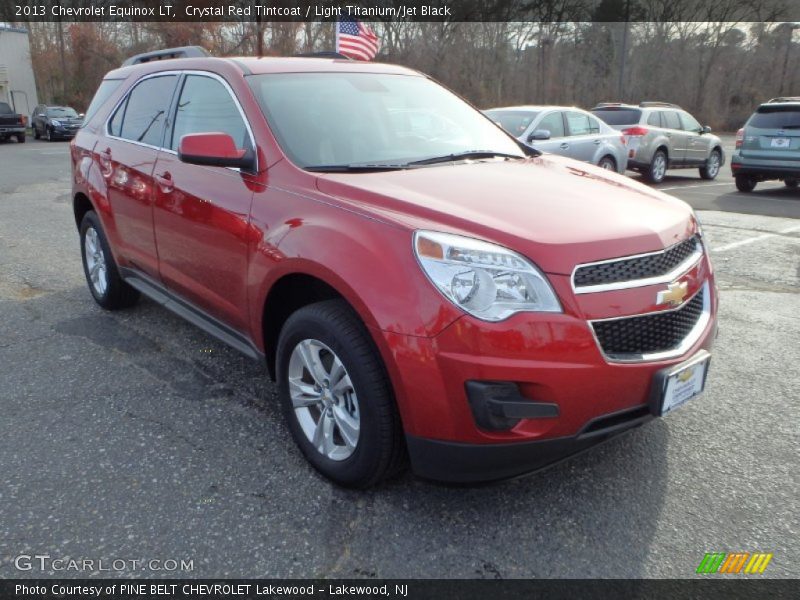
{"points": [[784, 99], [181, 52], [322, 55], [648, 104]]}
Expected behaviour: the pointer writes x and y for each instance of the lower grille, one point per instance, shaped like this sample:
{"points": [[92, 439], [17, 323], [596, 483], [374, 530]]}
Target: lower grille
{"points": [[634, 337]]}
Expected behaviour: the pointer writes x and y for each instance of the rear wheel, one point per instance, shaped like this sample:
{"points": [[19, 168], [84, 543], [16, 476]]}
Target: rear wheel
{"points": [[658, 167], [336, 396], [108, 289], [745, 183], [790, 182], [20, 138], [711, 168], [608, 163]]}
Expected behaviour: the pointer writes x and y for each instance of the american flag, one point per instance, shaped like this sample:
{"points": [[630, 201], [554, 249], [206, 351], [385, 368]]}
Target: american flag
{"points": [[356, 40]]}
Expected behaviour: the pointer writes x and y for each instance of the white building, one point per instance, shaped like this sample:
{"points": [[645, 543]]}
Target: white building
{"points": [[17, 84]]}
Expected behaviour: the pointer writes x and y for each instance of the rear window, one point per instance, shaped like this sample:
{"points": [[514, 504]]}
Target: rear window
{"points": [[619, 116], [103, 93], [5, 108], [514, 122], [776, 117]]}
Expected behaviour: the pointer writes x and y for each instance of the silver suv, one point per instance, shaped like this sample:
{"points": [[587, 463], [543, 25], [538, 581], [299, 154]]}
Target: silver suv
{"points": [[663, 136], [768, 146]]}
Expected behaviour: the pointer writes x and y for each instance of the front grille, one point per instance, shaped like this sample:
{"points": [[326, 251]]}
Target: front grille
{"points": [[640, 267], [648, 334]]}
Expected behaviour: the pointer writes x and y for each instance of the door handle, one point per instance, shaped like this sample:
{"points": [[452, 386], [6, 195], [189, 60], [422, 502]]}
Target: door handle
{"points": [[597, 142], [165, 182], [564, 146]]}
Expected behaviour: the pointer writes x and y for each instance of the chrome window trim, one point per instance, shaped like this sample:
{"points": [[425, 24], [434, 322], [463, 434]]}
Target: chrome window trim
{"points": [[686, 265], [690, 340], [163, 148]]}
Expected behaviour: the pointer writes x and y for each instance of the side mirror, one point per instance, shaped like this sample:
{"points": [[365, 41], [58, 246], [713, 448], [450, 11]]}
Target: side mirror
{"points": [[539, 134], [213, 150], [706, 129]]}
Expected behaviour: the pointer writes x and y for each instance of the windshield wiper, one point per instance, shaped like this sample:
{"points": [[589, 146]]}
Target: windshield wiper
{"points": [[476, 154], [354, 168]]}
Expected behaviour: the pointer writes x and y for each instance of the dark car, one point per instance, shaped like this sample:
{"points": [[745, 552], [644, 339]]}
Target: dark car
{"points": [[11, 124], [768, 146], [55, 122]]}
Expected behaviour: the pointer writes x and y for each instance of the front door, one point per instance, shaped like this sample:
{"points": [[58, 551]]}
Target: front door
{"points": [[202, 213]]}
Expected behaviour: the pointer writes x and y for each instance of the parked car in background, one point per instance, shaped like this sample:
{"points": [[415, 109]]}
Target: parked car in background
{"points": [[55, 122], [421, 285], [11, 124], [662, 136], [768, 146], [567, 131]]}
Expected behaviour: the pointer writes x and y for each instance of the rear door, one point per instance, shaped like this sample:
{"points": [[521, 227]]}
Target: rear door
{"points": [[697, 147], [126, 156], [584, 135], [202, 213], [678, 138], [773, 132]]}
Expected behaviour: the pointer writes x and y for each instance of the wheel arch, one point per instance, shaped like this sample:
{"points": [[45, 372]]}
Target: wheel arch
{"points": [[80, 206]]}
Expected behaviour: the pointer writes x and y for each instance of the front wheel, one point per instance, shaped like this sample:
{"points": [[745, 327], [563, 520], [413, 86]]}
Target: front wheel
{"points": [[336, 396], [745, 183], [658, 167], [36, 134], [108, 289], [711, 168], [790, 182]]}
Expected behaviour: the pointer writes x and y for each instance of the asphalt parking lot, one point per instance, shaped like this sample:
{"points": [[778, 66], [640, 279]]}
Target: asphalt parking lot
{"points": [[134, 436]]}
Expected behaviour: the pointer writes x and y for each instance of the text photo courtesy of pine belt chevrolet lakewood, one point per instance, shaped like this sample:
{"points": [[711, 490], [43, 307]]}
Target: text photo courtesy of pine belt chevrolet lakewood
{"points": [[458, 301]]}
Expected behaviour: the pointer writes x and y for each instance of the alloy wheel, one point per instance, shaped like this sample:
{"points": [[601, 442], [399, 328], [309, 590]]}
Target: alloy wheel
{"points": [[324, 399], [95, 261]]}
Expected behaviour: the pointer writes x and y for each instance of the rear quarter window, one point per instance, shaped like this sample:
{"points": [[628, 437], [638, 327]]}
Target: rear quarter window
{"points": [[103, 93], [776, 117]]}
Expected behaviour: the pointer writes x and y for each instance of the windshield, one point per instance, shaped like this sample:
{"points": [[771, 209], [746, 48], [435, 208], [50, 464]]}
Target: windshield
{"points": [[618, 116], [346, 119], [514, 122], [61, 111], [776, 117]]}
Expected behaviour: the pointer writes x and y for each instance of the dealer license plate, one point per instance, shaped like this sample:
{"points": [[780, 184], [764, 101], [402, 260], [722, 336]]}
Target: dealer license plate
{"points": [[685, 381], [781, 142]]}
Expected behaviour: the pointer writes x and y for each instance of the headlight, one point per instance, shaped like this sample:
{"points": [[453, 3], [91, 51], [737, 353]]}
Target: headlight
{"points": [[56, 122], [487, 281]]}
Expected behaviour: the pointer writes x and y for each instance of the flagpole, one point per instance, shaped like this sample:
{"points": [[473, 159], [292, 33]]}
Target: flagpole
{"points": [[336, 30]]}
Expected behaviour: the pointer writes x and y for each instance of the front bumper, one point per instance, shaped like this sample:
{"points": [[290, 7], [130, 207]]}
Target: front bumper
{"points": [[556, 365]]}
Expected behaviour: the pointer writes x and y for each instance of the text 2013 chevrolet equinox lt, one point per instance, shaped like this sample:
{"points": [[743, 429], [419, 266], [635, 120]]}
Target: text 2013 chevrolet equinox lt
{"points": [[419, 293]]}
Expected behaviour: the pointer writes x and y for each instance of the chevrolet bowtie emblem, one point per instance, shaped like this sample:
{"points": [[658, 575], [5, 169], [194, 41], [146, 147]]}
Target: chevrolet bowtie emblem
{"points": [[674, 294]]}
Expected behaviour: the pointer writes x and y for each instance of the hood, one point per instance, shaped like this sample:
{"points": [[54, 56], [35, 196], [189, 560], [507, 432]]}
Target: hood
{"points": [[556, 211]]}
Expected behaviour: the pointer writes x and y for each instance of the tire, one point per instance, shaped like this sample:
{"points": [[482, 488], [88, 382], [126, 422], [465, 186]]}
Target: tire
{"points": [[712, 166], [48, 134], [36, 134], [319, 335], [608, 163], [745, 183], [102, 275], [658, 167], [790, 182], [20, 138]]}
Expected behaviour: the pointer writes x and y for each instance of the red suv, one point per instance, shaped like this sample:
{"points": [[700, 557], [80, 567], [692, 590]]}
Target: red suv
{"points": [[420, 286]]}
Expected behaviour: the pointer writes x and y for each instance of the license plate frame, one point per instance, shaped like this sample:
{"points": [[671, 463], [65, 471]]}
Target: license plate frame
{"points": [[677, 385], [780, 142]]}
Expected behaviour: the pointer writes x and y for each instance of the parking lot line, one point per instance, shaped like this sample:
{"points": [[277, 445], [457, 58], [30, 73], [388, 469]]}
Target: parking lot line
{"points": [[686, 187], [757, 238]]}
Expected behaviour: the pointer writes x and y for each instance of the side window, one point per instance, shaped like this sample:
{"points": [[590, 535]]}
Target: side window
{"points": [[670, 119], [654, 119], [594, 125], [141, 116], [205, 105], [689, 122], [554, 123], [578, 123]]}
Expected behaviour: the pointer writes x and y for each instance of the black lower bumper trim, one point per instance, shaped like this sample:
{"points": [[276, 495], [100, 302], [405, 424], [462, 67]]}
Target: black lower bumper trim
{"points": [[456, 462], [766, 173]]}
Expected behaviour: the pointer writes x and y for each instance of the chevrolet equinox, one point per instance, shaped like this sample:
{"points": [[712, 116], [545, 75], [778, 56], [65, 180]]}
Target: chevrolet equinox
{"points": [[432, 294]]}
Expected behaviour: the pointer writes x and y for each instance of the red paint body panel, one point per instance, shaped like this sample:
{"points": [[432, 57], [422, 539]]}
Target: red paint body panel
{"points": [[222, 239]]}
